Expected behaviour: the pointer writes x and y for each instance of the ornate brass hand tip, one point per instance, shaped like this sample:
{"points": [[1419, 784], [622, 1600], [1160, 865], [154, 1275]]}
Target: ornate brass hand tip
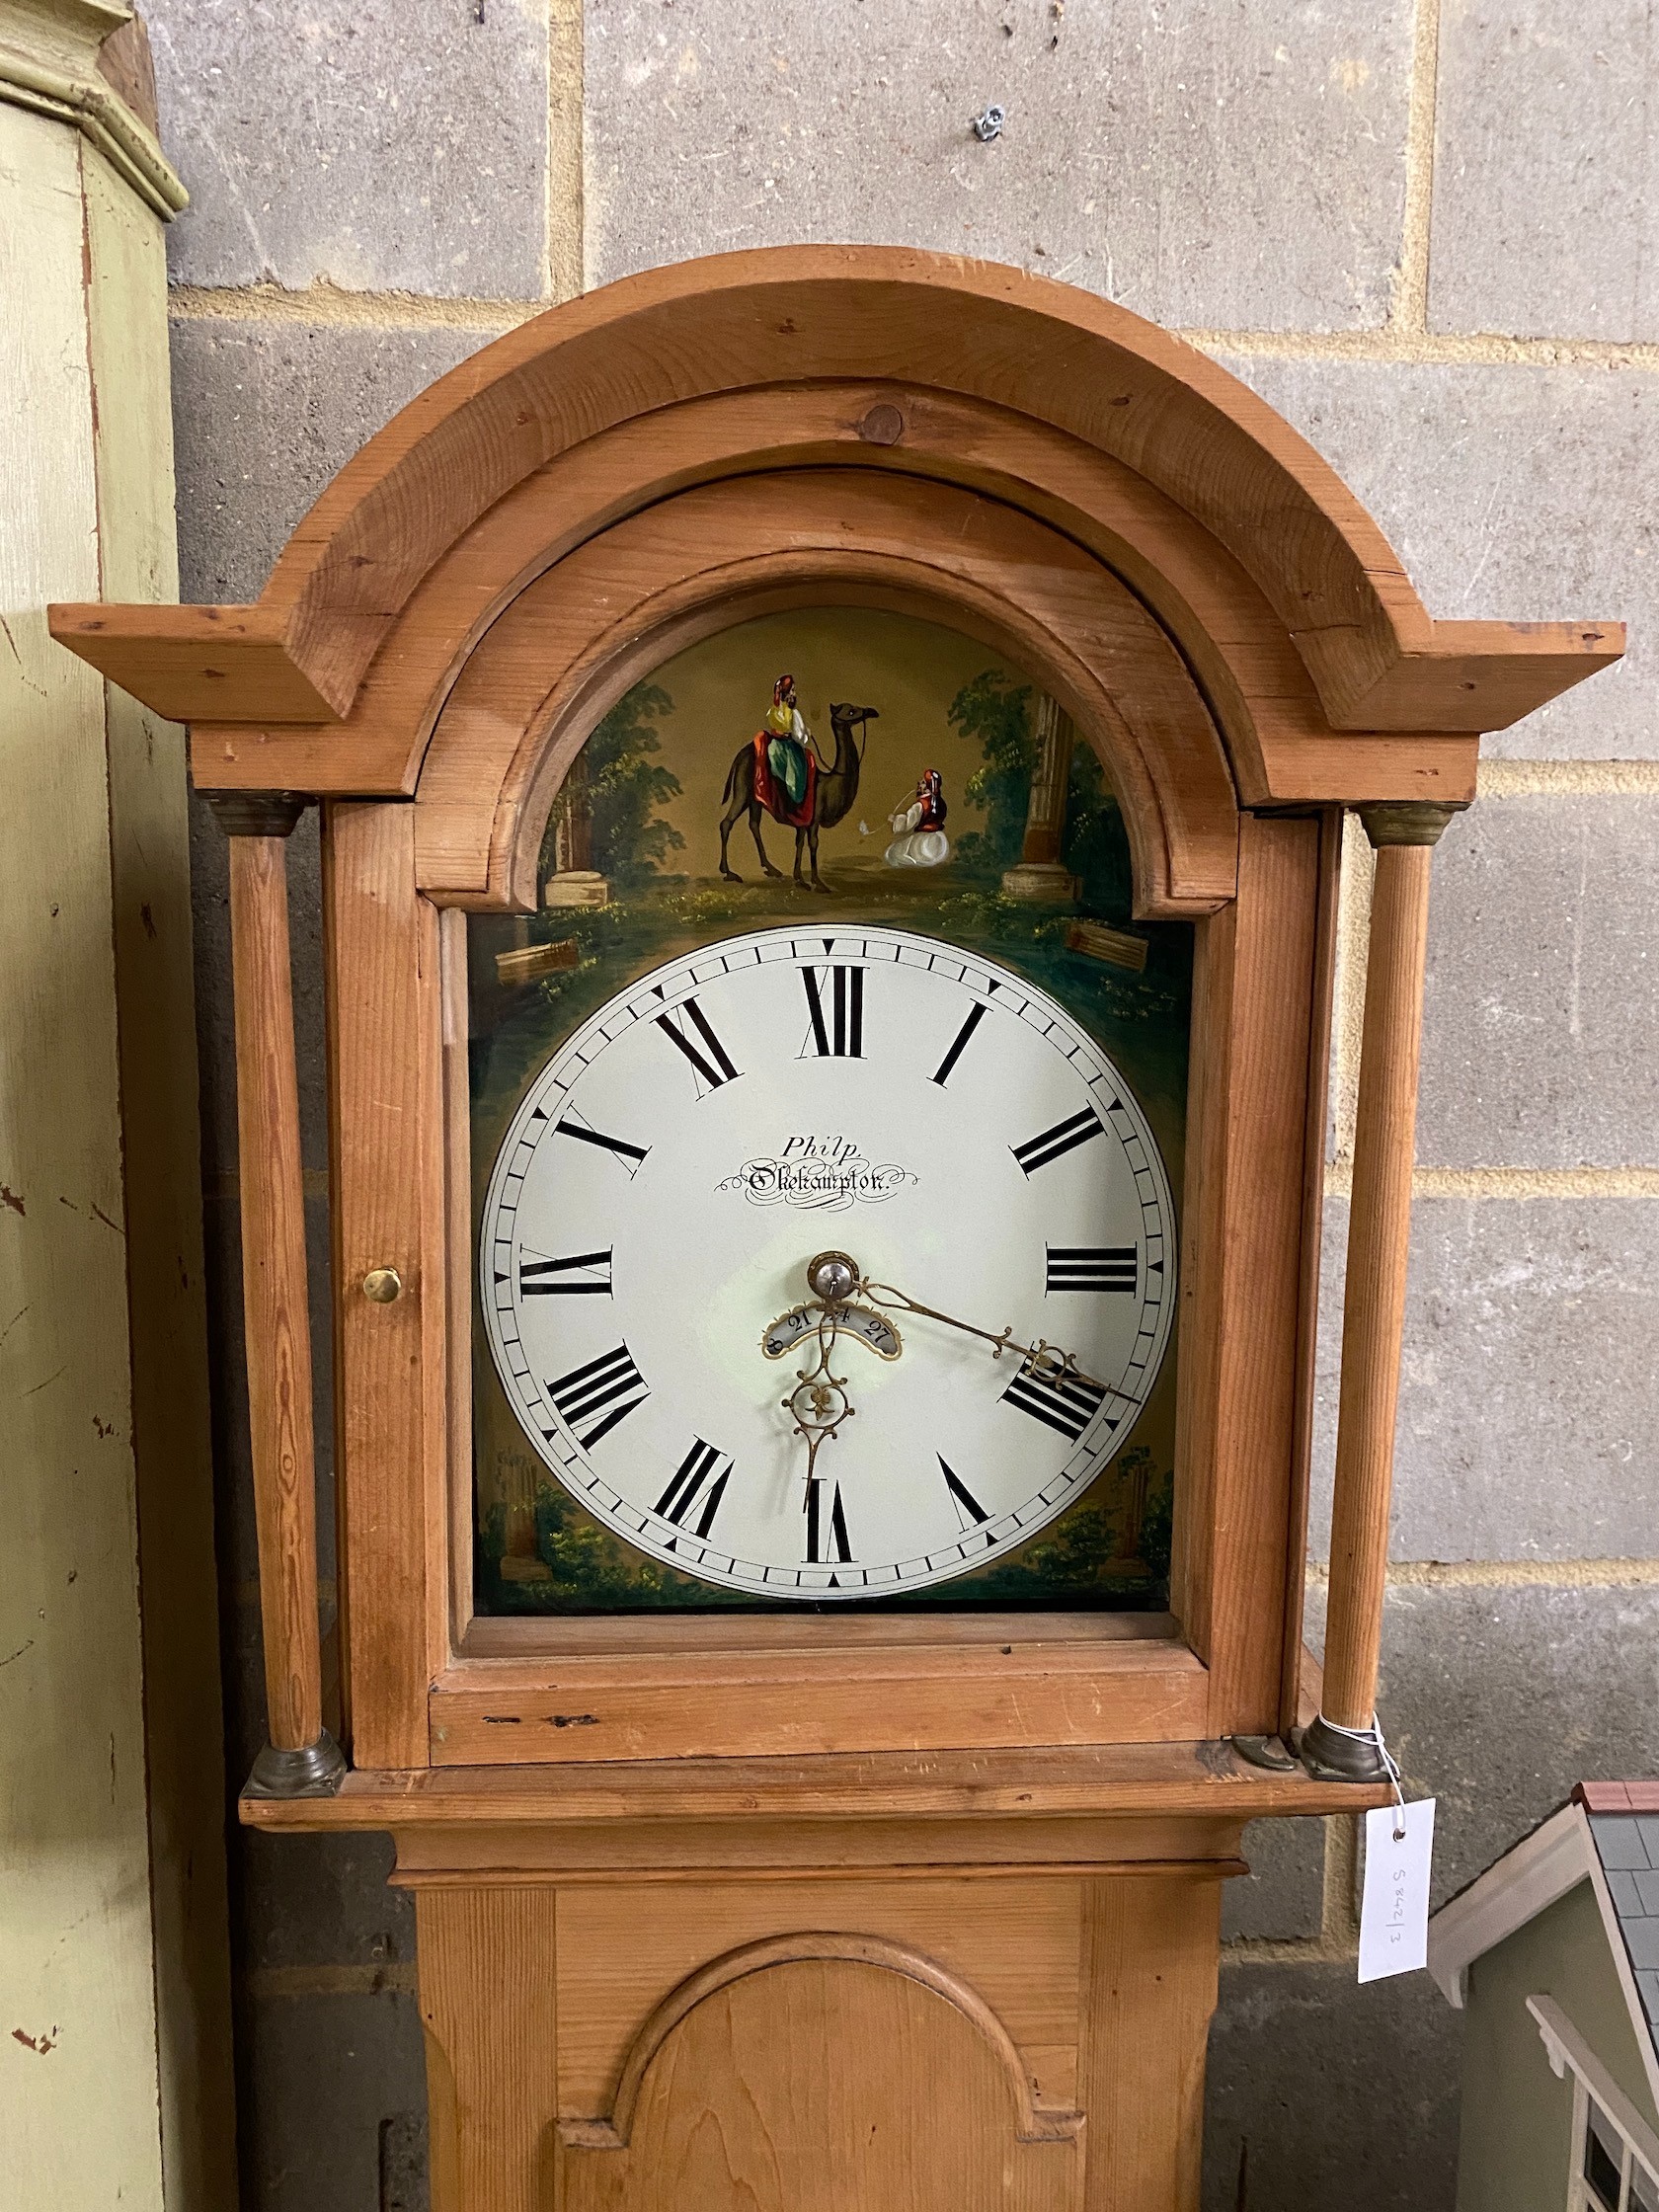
{"points": [[1048, 1361]]}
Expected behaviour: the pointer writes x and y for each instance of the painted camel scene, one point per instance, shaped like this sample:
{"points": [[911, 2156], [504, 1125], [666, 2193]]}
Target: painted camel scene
{"points": [[834, 760], [783, 774], [852, 737]]}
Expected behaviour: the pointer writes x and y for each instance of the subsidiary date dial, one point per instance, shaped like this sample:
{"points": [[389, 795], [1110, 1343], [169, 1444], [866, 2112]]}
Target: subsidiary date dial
{"points": [[669, 1177]]}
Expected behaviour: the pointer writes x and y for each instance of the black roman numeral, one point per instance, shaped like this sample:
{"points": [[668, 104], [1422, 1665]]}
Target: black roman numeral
{"points": [[1053, 1144], [629, 1154], [941, 1073], [970, 1514], [1092, 1267], [837, 1013], [714, 1065], [1065, 1402], [603, 1393], [549, 1278], [827, 1529], [695, 1483]]}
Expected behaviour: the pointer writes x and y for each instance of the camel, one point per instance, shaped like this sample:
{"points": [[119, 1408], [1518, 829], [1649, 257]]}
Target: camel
{"points": [[836, 789]]}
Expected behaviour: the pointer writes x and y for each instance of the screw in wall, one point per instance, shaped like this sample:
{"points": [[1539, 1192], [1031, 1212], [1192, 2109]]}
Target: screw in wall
{"points": [[989, 124]]}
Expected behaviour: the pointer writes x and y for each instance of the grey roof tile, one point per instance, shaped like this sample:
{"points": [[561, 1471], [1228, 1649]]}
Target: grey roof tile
{"points": [[1619, 1840], [1628, 1845]]}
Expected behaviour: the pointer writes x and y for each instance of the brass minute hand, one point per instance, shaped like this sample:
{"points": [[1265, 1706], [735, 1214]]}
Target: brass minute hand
{"points": [[1046, 1361]]}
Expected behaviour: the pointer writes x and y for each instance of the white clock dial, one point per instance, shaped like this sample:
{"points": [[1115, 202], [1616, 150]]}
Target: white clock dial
{"points": [[675, 1165]]}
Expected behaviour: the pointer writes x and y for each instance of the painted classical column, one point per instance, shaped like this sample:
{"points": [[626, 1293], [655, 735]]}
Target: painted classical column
{"points": [[575, 881], [1340, 1741], [1042, 876], [115, 1996]]}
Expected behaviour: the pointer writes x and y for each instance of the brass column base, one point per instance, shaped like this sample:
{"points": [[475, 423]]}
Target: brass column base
{"points": [[316, 1771], [1333, 1755]]}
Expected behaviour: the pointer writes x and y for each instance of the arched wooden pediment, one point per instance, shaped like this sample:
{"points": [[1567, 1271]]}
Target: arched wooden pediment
{"points": [[1324, 674], [1240, 654]]}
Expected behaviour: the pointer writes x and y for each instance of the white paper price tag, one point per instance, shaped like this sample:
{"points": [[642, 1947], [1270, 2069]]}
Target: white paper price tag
{"points": [[1394, 1909]]}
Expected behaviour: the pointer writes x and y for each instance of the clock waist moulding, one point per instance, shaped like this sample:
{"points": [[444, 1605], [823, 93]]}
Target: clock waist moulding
{"points": [[842, 1907]]}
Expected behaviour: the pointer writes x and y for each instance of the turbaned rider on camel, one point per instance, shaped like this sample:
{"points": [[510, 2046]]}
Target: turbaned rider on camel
{"points": [[789, 753]]}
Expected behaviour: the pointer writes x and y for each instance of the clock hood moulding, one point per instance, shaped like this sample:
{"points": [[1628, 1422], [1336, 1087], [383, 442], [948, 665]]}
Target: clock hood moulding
{"points": [[1327, 676]]}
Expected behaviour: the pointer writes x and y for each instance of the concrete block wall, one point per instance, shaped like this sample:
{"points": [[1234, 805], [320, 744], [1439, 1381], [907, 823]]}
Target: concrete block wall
{"points": [[1420, 228]]}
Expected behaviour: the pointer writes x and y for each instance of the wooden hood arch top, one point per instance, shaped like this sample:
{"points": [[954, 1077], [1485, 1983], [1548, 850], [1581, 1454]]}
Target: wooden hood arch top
{"points": [[1328, 677]]}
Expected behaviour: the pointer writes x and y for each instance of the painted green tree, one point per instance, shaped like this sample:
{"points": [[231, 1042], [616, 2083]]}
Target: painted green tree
{"points": [[623, 786], [996, 711], [1096, 841]]}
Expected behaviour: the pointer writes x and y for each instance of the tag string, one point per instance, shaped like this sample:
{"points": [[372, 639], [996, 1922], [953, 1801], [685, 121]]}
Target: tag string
{"points": [[1373, 1735]]}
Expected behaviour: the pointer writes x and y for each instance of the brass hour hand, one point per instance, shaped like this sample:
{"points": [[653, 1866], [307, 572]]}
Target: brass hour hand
{"points": [[819, 1403], [1047, 1362]]}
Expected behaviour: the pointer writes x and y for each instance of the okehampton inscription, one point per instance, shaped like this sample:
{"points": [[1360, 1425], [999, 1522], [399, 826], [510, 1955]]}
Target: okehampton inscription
{"points": [[821, 1174]]}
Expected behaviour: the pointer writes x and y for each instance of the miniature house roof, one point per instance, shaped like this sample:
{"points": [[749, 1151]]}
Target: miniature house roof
{"points": [[1608, 1835]]}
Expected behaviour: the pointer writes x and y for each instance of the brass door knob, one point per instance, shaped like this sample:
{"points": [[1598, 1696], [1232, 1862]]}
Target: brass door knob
{"points": [[383, 1284]]}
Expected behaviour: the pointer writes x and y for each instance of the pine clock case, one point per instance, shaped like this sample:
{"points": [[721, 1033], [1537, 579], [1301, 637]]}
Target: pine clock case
{"points": [[595, 492], [813, 1977]]}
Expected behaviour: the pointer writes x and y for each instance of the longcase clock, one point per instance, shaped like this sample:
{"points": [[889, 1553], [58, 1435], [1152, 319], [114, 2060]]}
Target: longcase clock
{"points": [[832, 767]]}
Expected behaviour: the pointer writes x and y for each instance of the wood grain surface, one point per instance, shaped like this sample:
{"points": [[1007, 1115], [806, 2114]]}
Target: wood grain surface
{"points": [[380, 951], [819, 2085], [947, 1696], [489, 2004], [1177, 1780], [1374, 1296], [763, 1849], [274, 1298], [1013, 1943], [1150, 1969], [1240, 652], [1015, 2039], [1241, 1269], [1045, 350]]}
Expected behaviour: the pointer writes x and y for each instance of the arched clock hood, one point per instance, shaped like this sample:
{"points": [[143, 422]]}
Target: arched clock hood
{"points": [[1326, 676]]}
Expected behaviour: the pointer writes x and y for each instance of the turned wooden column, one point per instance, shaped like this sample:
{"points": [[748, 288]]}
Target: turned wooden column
{"points": [[301, 1758], [1373, 1299]]}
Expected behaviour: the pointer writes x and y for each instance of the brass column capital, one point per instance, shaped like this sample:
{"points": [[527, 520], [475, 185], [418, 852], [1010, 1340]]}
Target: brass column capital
{"points": [[1408, 822], [256, 814]]}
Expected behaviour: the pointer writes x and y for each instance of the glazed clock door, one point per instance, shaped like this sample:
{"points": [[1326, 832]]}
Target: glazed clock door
{"points": [[826, 1220]]}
